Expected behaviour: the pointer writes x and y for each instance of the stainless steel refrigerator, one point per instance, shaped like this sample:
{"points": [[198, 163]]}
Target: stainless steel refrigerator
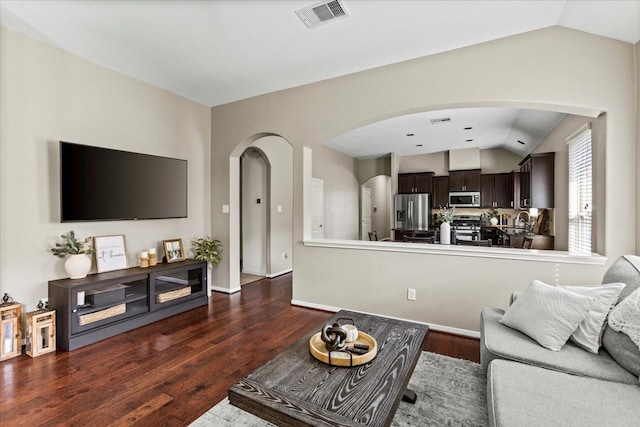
{"points": [[413, 211]]}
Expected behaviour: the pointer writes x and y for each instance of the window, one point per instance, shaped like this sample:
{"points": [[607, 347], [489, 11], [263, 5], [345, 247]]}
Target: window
{"points": [[580, 191]]}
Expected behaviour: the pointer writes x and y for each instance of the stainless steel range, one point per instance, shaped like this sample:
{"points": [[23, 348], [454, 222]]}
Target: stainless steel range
{"points": [[465, 227]]}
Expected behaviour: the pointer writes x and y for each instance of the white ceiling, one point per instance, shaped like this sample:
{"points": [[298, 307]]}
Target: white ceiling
{"points": [[516, 130], [216, 52]]}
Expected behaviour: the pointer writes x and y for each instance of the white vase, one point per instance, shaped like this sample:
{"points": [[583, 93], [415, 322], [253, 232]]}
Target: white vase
{"points": [[77, 266], [493, 221], [445, 233]]}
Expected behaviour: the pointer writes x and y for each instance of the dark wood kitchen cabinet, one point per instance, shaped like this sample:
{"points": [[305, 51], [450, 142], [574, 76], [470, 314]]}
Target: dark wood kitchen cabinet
{"points": [[466, 180], [496, 190], [421, 182], [440, 191], [537, 181]]}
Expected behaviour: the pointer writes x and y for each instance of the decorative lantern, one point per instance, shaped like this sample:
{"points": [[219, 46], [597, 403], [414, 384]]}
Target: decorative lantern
{"points": [[10, 328], [41, 332]]}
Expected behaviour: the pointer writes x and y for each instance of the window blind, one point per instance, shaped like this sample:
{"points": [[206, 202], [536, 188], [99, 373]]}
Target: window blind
{"points": [[580, 191]]}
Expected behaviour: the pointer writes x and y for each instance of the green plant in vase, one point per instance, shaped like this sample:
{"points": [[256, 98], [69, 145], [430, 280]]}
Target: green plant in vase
{"points": [[446, 214], [78, 264], [71, 246], [207, 249], [494, 216]]}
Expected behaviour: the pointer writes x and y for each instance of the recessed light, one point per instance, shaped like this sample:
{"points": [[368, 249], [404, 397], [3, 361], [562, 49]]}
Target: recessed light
{"points": [[440, 120], [410, 134], [520, 142]]}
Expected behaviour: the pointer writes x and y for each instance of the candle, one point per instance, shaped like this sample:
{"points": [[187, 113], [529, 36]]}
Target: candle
{"points": [[144, 254], [152, 251]]}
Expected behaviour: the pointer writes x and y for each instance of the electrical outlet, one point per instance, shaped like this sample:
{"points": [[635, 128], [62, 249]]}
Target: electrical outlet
{"points": [[411, 294]]}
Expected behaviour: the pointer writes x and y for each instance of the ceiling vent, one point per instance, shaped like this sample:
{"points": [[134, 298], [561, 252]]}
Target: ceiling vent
{"points": [[441, 120], [322, 13]]}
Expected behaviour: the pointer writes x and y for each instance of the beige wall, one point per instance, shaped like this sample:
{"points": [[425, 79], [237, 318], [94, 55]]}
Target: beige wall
{"points": [[637, 148], [528, 70], [341, 192], [47, 95]]}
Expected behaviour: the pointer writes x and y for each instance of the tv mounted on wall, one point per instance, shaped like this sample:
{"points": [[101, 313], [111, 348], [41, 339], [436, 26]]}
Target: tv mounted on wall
{"points": [[101, 184]]}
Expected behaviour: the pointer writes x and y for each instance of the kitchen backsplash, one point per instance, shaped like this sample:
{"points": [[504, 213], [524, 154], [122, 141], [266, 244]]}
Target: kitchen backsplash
{"points": [[509, 215]]}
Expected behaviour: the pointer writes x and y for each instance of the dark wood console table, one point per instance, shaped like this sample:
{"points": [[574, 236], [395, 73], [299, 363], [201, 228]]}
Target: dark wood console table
{"points": [[295, 389], [106, 304]]}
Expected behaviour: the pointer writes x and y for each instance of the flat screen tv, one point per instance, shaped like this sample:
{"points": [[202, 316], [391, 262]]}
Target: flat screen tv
{"points": [[101, 184]]}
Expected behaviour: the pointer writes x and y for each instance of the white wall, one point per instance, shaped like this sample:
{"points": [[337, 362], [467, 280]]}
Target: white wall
{"points": [[280, 232], [451, 289], [381, 200], [47, 95], [254, 214], [341, 192]]}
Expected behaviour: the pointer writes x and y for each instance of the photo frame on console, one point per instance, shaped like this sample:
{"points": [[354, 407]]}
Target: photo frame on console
{"points": [[173, 250], [111, 253]]}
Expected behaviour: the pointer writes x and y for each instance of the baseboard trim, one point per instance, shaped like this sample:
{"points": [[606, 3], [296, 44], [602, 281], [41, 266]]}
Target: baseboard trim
{"points": [[280, 273], [253, 273], [433, 326], [225, 290]]}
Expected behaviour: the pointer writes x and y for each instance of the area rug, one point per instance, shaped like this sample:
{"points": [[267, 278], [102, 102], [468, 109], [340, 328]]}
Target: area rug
{"points": [[451, 392]]}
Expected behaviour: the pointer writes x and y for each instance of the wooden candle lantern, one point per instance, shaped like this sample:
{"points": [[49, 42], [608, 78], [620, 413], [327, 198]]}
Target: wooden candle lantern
{"points": [[10, 330], [41, 332]]}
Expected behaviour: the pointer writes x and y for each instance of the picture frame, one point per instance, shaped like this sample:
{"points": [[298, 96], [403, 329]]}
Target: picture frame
{"points": [[111, 253], [173, 250]]}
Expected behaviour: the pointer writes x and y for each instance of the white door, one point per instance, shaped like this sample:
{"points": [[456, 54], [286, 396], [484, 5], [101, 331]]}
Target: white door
{"points": [[365, 213], [317, 208]]}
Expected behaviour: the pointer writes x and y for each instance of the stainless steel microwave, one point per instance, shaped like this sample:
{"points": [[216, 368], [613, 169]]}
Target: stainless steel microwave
{"points": [[465, 199]]}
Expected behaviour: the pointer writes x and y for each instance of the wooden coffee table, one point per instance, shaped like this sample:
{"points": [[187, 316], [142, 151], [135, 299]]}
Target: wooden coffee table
{"points": [[295, 389]]}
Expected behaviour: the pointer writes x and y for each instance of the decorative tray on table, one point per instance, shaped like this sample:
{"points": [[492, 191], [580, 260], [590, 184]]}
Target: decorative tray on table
{"points": [[343, 357]]}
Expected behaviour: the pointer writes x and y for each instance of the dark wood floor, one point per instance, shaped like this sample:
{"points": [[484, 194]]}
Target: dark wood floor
{"points": [[170, 372]]}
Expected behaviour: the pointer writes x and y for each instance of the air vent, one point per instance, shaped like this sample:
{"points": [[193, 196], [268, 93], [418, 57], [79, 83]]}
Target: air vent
{"points": [[322, 13], [521, 142], [441, 120]]}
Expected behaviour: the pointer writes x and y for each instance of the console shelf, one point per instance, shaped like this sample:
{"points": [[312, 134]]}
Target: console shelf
{"points": [[106, 304]]}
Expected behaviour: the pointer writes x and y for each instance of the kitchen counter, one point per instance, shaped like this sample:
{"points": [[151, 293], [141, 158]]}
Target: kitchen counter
{"points": [[513, 237]]}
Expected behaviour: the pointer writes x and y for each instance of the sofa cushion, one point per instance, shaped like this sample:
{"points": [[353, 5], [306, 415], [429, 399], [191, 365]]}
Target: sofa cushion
{"points": [[500, 342], [524, 395], [547, 314]]}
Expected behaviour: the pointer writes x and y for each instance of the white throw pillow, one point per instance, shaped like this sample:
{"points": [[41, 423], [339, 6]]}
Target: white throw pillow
{"points": [[588, 335], [547, 314]]}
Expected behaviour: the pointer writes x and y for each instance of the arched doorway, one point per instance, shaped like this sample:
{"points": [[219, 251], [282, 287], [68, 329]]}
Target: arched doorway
{"points": [[278, 205]]}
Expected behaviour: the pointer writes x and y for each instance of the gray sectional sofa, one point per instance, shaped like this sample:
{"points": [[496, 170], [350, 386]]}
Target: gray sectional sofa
{"points": [[529, 385]]}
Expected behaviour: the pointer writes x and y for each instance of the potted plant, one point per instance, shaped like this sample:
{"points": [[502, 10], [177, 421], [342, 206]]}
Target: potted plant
{"points": [[494, 216], [78, 264], [445, 216], [210, 250]]}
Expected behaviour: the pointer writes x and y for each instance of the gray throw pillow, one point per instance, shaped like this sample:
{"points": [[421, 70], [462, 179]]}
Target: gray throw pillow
{"points": [[547, 314], [622, 350], [625, 269]]}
